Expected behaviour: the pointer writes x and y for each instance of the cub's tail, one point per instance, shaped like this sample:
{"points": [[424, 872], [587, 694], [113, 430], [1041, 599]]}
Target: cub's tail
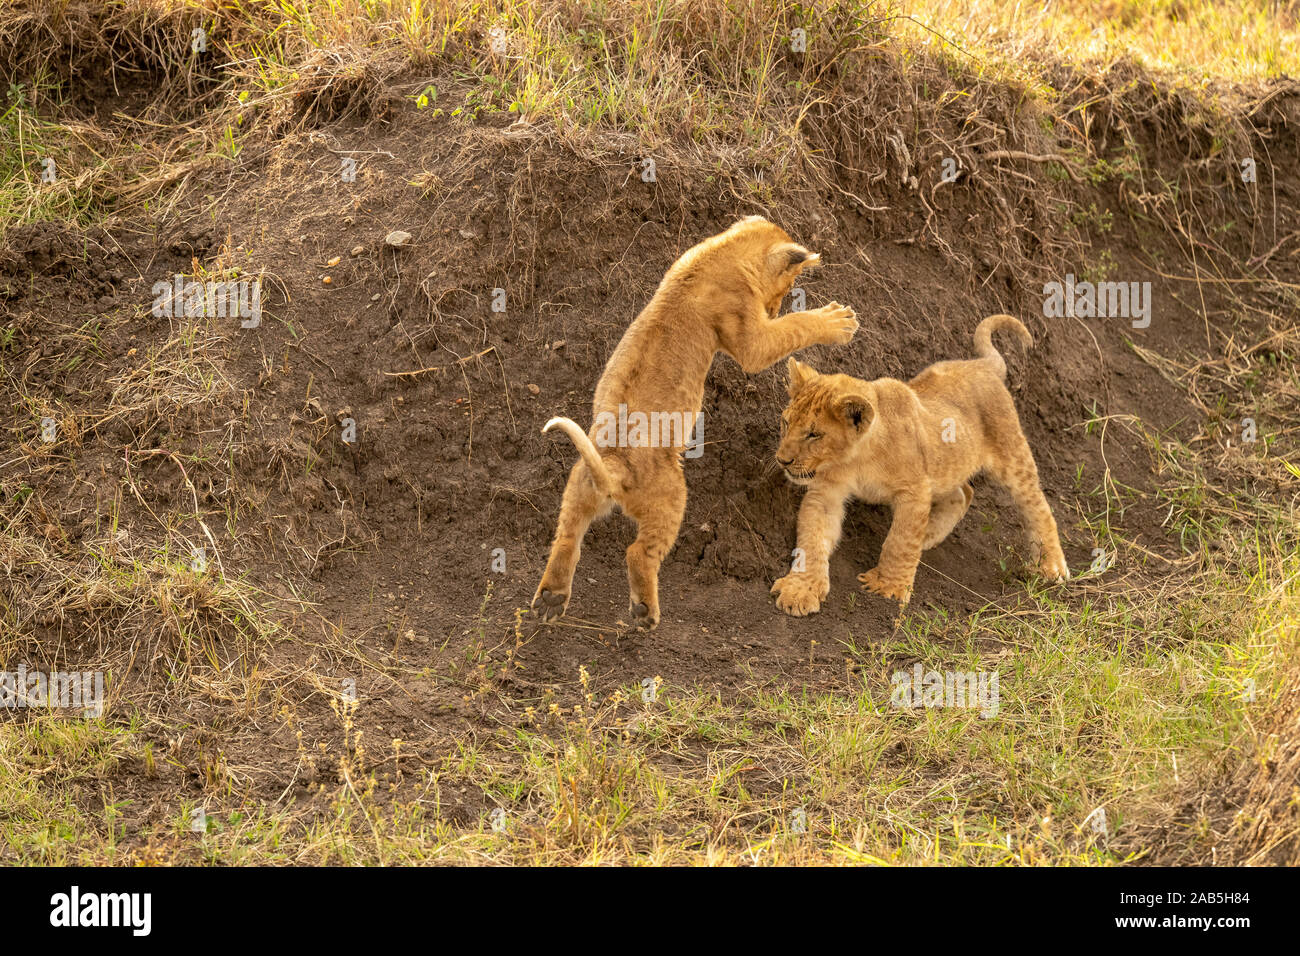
{"points": [[600, 473], [984, 338]]}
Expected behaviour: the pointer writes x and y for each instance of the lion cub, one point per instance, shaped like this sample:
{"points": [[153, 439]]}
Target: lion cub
{"points": [[913, 446], [722, 295]]}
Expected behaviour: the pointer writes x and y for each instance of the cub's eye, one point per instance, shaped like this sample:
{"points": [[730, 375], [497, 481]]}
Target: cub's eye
{"points": [[812, 436]]}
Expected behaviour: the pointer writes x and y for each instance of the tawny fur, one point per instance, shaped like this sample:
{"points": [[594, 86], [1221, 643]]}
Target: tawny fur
{"points": [[914, 446], [722, 295]]}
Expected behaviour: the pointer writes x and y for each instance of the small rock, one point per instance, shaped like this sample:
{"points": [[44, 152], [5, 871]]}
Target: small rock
{"points": [[326, 279], [557, 344], [534, 389], [397, 238], [468, 234], [335, 261], [357, 250], [375, 297]]}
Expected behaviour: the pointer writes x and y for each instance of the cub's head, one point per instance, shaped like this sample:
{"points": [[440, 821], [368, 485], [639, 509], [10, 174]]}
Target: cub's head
{"points": [[770, 259], [827, 416]]}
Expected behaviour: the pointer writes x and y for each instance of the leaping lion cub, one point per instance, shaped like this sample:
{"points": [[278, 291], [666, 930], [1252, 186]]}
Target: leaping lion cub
{"points": [[723, 295], [913, 446]]}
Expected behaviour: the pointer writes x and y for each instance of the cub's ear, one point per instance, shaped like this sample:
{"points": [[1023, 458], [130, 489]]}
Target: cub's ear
{"points": [[800, 375], [856, 410], [791, 255]]}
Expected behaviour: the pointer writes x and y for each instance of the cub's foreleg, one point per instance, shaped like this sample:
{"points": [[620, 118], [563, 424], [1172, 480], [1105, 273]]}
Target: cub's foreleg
{"points": [[821, 519]]}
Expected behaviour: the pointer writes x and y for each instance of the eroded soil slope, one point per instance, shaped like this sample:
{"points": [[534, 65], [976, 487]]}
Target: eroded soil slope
{"points": [[180, 434]]}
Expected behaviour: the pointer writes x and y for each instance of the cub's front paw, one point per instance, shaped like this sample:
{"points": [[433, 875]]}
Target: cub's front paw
{"points": [[1053, 569], [800, 594], [874, 581], [838, 324]]}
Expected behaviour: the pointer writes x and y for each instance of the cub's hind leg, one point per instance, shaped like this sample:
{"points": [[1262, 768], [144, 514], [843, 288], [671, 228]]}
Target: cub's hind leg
{"points": [[1015, 470], [945, 511], [583, 502], [657, 506]]}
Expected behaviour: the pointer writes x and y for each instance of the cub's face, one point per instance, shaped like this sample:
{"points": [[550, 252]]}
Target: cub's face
{"points": [[823, 423]]}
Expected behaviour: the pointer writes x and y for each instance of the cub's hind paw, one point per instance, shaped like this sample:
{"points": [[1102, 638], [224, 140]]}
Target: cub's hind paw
{"points": [[547, 606], [642, 620]]}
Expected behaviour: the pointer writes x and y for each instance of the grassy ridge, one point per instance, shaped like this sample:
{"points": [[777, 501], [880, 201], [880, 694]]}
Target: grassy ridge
{"points": [[712, 83]]}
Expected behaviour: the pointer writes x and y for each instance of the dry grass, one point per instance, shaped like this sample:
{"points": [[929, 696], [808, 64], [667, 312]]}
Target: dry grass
{"points": [[1237, 40], [702, 87]]}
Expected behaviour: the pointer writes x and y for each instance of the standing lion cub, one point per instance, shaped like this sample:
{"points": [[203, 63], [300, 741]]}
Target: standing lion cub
{"points": [[913, 446], [722, 295]]}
